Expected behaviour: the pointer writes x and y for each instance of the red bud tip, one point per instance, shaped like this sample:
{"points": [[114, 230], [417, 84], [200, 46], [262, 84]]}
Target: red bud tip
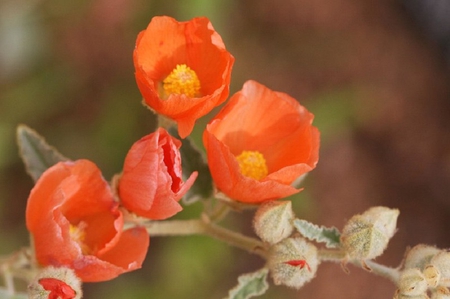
{"points": [[58, 288], [301, 263]]}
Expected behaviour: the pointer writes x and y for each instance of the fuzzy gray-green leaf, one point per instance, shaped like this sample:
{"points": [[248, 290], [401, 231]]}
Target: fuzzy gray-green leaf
{"points": [[329, 236], [250, 285], [35, 152]]}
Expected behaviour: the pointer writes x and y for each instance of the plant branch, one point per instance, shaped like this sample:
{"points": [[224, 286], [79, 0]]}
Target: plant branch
{"points": [[338, 256], [201, 227]]}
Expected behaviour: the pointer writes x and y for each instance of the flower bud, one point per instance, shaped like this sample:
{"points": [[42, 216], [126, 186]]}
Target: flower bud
{"points": [[412, 283], [273, 221], [54, 282], [293, 262], [420, 256], [442, 262], [366, 236], [432, 275]]}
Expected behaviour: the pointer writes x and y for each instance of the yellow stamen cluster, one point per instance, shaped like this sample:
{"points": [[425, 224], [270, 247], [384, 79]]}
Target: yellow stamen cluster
{"points": [[252, 164], [78, 234], [182, 80]]}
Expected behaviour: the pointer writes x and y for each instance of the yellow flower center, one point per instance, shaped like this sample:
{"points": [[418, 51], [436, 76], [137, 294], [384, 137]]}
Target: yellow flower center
{"points": [[252, 164], [182, 80], [78, 234]]}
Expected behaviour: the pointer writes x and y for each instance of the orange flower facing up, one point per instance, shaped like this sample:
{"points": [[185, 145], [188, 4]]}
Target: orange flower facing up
{"points": [[76, 223], [151, 183], [182, 69], [259, 144]]}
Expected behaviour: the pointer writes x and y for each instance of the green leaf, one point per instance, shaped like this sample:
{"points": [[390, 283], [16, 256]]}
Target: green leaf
{"points": [[250, 285], [192, 159], [329, 236], [35, 152]]}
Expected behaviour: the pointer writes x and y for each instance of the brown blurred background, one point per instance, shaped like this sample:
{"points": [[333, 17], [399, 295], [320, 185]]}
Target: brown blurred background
{"points": [[375, 74]]}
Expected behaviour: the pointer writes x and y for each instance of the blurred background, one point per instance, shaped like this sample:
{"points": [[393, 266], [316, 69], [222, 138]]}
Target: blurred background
{"points": [[374, 73]]}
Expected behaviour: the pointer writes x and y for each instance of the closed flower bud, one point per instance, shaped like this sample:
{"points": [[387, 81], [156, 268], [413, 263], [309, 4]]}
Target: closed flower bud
{"points": [[273, 221], [366, 236], [293, 262], [432, 275], [442, 262], [53, 282], [420, 256], [412, 283]]}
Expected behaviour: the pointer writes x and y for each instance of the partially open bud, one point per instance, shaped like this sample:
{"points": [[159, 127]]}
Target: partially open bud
{"points": [[52, 282], [442, 262], [412, 283], [420, 256], [273, 221], [293, 262], [366, 236]]}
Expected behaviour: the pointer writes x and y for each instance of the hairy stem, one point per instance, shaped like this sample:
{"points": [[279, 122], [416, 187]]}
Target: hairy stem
{"points": [[338, 256], [201, 227]]}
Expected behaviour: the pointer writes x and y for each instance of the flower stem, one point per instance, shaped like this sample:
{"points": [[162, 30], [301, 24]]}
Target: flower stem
{"points": [[200, 227], [338, 256]]}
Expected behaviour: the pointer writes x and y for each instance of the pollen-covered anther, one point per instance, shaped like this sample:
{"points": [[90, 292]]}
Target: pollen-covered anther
{"points": [[252, 164], [182, 80]]}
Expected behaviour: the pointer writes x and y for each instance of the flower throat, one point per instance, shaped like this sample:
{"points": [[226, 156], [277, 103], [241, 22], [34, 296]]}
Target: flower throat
{"points": [[252, 164], [182, 80]]}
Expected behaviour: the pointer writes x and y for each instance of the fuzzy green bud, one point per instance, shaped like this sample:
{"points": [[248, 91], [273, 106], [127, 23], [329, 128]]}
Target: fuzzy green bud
{"points": [[293, 262], [420, 256], [432, 275], [412, 282], [273, 221], [442, 262], [366, 236]]}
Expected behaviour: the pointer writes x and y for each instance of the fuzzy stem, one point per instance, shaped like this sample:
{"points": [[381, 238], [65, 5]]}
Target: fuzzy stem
{"points": [[200, 227], [338, 256]]}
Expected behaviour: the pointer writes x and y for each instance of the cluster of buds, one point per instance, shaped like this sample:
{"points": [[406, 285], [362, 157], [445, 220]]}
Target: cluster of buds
{"points": [[426, 269]]}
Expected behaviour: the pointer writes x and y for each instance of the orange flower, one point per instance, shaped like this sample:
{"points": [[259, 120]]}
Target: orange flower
{"points": [[76, 223], [151, 183], [182, 69], [259, 144]]}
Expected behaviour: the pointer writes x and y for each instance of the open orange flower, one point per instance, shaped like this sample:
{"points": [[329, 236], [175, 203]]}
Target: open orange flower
{"points": [[259, 144], [76, 223], [151, 183], [182, 69]]}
